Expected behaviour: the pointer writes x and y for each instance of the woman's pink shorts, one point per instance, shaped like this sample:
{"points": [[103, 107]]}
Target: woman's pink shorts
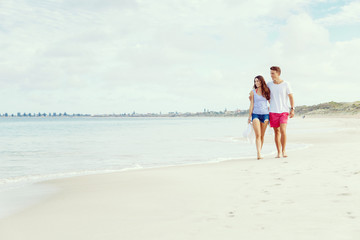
{"points": [[277, 118]]}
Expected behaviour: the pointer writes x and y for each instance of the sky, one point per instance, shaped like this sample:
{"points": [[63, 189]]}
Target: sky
{"points": [[120, 56]]}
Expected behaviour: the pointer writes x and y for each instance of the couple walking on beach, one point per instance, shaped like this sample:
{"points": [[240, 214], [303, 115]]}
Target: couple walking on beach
{"points": [[277, 92]]}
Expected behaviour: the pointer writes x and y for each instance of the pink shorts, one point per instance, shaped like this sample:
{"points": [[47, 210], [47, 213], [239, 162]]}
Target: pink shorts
{"points": [[277, 118]]}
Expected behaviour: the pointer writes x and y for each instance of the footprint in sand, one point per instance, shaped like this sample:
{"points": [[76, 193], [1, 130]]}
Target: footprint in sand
{"points": [[279, 179], [212, 219], [288, 201], [231, 214], [344, 194], [349, 215]]}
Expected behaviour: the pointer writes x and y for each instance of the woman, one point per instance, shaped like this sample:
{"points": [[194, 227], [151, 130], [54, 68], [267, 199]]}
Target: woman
{"points": [[259, 111]]}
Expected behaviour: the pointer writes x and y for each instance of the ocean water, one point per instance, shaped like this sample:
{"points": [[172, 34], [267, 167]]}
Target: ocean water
{"points": [[36, 149]]}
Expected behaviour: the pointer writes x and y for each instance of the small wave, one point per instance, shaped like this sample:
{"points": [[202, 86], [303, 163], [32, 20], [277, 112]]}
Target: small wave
{"points": [[27, 179]]}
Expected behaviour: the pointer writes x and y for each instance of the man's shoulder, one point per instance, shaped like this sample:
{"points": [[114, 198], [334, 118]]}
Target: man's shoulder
{"points": [[288, 86], [286, 82], [269, 83]]}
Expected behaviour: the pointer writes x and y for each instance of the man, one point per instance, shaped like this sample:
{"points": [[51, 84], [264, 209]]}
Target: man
{"points": [[280, 93]]}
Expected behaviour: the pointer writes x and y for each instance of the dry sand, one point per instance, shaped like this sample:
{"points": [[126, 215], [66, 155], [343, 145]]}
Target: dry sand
{"points": [[312, 194]]}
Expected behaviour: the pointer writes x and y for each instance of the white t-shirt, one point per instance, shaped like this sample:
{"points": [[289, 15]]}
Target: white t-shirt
{"points": [[279, 96]]}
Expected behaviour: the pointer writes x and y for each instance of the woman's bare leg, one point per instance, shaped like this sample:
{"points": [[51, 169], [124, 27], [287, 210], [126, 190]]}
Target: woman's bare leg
{"points": [[263, 130], [257, 130]]}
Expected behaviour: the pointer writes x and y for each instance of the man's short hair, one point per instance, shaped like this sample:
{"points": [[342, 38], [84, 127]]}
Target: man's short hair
{"points": [[276, 68]]}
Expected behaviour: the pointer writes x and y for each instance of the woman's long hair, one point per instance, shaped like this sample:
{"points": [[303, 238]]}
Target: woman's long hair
{"points": [[264, 88]]}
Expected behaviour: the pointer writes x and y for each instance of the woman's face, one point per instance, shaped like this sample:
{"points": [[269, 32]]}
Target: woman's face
{"points": [[257, 82]]}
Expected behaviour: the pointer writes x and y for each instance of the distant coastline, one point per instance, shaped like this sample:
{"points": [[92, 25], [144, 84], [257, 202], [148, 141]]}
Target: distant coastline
{"points": [[322, 109]]}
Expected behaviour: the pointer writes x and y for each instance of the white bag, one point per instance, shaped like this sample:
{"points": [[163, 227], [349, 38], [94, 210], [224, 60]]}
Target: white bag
{"points": [[249, 133]]}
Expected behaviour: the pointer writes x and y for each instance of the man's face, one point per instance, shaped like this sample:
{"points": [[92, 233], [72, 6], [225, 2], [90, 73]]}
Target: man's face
{"points": [[274, 74]]}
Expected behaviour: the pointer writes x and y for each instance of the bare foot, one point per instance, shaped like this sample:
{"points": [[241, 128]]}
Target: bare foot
{"points": [[284, 155], [259, 157], [278, 155]]}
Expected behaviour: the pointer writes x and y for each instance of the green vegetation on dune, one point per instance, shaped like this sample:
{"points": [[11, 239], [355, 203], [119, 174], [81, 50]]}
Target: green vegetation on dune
{"points": [[330, 108]]}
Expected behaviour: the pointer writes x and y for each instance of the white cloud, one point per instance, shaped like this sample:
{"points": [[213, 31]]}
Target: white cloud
{"points": [[316, 66], [348, 14], [120, 56]]}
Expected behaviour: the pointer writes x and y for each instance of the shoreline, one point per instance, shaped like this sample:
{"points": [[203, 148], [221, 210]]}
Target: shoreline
{"points": [[40, 189], [217, 197]]}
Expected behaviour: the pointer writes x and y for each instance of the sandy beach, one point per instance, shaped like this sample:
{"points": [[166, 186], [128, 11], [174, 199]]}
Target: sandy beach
{"points": [[312, 194]]}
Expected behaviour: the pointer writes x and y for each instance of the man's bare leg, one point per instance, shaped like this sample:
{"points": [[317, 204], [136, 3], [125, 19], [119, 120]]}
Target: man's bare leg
{"points": [[277, 140], [283, 138]]}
